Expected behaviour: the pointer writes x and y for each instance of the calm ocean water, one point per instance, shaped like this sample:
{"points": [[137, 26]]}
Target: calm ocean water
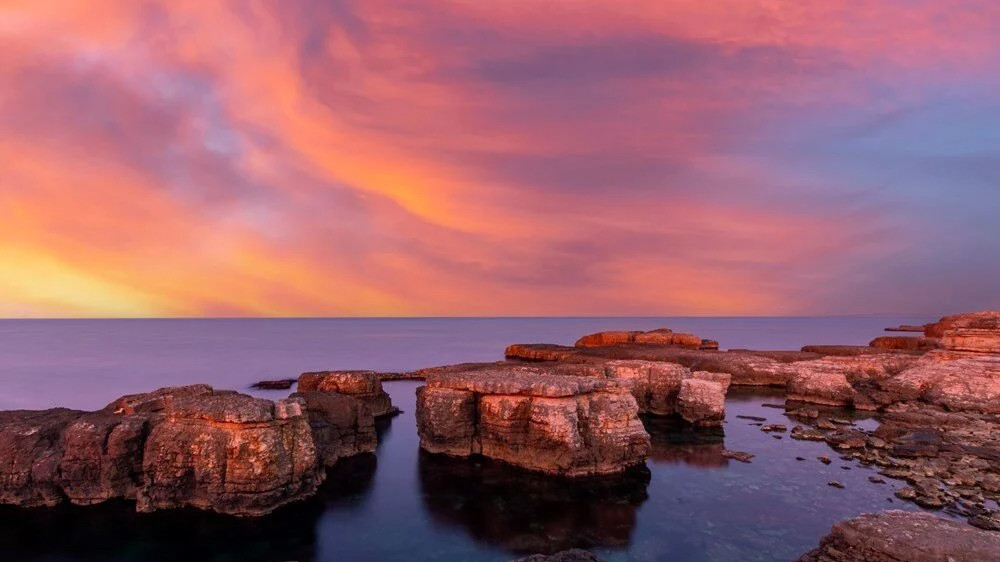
{"points": [[692, 504]]}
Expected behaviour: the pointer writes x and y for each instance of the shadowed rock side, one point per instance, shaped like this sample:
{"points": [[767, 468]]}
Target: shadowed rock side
{"points": [[558, 424], [573, 555], [363, 385], [902, 536], [185, 446], [525, 512]]}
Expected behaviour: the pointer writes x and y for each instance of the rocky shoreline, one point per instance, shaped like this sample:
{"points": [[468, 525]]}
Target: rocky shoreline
{"points": [[566, 411]]}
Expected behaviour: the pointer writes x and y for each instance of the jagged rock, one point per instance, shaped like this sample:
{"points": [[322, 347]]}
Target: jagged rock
{"points": [[557, 424], [904, 342], [977, 332], [902, 536], [363, 385], [342, 426], [702, 402], [836, 381], [963, 382]]}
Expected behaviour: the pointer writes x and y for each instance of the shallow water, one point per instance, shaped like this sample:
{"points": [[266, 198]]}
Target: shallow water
{"points": [[691, 504]]}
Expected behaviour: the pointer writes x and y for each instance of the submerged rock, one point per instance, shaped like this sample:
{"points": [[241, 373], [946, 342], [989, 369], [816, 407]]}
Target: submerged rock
{"points": [[363, 385], [557, 424], [902, 536]]}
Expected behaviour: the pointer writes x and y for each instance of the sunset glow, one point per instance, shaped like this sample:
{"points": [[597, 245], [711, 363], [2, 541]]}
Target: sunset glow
{"points": [[398, 158]]}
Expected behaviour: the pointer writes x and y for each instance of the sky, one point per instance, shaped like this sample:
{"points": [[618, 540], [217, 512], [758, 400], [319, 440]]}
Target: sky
{"points": [[498, 158]]}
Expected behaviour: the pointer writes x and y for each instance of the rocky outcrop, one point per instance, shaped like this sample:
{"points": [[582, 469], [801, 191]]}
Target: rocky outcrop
{"points": [[846, 380], [342, 426], [977, 332], [185, 446], [365, 386], [902, 536], [663, 336], [654, 385], [558, 424], [702, 402], [904, 343]]}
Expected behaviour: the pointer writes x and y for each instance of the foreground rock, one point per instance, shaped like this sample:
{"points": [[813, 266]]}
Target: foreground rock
{"points": [[901, 536], [185, 446], [341, 425], [362, 385], [557, 424]]}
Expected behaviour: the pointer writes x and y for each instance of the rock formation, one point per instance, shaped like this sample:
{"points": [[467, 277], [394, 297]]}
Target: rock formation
{"points": [[342, 426], [902, 536], [904, 343], [558, 424], [185, 446], [363, 385], [702, 402], [663, 336]]}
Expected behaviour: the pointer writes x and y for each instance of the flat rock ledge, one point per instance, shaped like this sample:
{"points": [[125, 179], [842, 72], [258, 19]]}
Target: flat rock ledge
{"points": [[903, 536], [185, 446], [564, 425]]}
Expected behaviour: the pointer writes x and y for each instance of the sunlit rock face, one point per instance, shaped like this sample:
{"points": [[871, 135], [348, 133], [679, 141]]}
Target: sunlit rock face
{"points": [[227, 452], [903, 536], [363, 385], [558, 424], [978, 332], [185, 446], [663, 336]]}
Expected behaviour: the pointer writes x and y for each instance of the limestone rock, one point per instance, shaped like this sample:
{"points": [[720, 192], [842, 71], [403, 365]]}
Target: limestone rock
{"points": [[904, 342], [654, 385], [902, 536], [184, 446], [341, 425], [557, 424], [363, 385], [662, 336], [702, 402]]}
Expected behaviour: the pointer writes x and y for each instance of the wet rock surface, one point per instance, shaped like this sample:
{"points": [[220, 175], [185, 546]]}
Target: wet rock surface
{"points": [[184, 446], [901, 536]]}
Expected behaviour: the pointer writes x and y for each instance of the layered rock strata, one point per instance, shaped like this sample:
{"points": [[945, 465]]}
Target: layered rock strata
{"points": [[557, 424], [902, 536], [365, 386], [185, 446]]}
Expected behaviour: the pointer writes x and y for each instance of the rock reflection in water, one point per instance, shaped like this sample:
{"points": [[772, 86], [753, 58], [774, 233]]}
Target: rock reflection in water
{"points": [[526, 512], [673, 442], [113, 531]]}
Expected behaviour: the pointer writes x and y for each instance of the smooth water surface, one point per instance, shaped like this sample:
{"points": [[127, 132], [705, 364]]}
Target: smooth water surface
{"points": [[691, 504]]}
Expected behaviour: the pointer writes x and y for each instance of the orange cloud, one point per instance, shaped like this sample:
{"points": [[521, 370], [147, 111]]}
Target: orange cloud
{"points": [[453, 158]]}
